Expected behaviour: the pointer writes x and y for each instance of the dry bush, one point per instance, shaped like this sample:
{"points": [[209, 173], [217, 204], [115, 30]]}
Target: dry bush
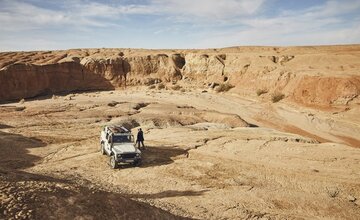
{"points": [[277, 96], [224, 87], [259, 92]]}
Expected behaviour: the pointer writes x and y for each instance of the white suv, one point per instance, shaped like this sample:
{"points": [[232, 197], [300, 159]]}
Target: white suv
{"points": [[118, 143]]}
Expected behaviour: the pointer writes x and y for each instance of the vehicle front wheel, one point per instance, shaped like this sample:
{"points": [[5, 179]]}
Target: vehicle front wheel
{"points": [[113, 163], [102, 149], [137, 163]]}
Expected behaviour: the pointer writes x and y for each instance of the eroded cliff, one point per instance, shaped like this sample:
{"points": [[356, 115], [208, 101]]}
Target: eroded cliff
{"points": [[314, 76]]}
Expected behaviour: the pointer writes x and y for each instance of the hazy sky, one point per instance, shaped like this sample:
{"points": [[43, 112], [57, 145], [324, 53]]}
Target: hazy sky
{"points": [[64, 24]]}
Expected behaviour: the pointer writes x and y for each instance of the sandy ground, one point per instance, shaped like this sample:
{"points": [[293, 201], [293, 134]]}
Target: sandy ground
{"points": [[200, 162]]}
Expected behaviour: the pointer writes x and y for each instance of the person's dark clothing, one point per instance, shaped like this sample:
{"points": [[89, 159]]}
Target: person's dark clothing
{"points": [[140, 136], [140, 139]]}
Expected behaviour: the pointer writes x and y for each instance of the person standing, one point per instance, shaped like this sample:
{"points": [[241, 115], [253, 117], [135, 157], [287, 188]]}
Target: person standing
{"points": [[140, 138]]}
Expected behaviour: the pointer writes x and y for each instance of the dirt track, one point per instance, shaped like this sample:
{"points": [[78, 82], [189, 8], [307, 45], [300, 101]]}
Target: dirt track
{"points": [[201, 162]]}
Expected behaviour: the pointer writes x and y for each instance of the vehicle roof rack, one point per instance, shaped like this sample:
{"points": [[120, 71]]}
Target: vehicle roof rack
{"points": [[118, 129]]}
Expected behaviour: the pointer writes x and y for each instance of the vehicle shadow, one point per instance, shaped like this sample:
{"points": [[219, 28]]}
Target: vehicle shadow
{"points": [[158, 155]]}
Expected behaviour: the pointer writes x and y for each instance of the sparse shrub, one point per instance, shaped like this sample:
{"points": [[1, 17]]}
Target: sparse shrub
{"points": [[259, 92], [182, 90], [277, 96], [224, 87]]}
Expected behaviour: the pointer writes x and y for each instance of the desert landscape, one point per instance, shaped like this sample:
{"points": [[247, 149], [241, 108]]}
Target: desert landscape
{"points": [[231, 133]]}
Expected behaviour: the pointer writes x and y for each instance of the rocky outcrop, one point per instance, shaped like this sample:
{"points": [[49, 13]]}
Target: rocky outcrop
{"points": [[315, 90], [69, 73], [302, 74], [23, 80], [28, 80], [113, 70], [204, 67], [166, 68]]}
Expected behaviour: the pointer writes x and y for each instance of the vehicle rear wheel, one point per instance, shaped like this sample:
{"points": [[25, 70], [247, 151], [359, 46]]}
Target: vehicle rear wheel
{"points": [[102, 149], [113, 163]]}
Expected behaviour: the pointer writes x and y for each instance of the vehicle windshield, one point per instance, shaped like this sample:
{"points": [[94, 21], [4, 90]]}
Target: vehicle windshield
{"points": [[122, 139]]}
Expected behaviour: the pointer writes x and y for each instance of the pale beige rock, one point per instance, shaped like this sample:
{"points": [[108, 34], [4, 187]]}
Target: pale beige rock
{"points": [[303, 74]]}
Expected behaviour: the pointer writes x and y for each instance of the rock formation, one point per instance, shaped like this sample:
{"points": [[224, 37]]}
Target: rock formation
{"points": [[304, 75]]}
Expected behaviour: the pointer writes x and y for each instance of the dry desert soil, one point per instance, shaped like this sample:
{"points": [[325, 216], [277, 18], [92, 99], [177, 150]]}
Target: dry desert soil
{"points": [[233, 133]]}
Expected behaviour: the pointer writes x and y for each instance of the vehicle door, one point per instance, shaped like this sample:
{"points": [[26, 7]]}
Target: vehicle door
{"points": [[108, 143]]}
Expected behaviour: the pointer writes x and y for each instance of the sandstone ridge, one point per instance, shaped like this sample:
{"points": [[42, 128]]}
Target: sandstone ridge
{"points": [[304, 75]]}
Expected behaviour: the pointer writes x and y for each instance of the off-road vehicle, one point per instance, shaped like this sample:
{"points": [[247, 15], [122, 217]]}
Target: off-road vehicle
{"points": [[118, 143]]}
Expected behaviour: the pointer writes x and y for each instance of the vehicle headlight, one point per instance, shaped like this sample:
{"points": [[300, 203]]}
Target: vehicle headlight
{"points": [[119, 155], [137, 155]]}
